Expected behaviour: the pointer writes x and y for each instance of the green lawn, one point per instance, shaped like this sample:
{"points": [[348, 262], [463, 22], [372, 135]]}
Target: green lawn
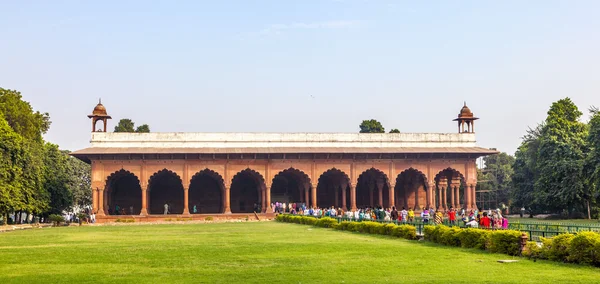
{"points": [[265, 252]]}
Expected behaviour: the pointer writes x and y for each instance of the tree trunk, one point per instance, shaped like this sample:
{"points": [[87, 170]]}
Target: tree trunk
{"points": [[588, 208]]}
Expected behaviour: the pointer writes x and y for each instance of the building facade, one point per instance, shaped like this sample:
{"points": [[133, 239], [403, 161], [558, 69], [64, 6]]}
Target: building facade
{"points": [[223, 174]]}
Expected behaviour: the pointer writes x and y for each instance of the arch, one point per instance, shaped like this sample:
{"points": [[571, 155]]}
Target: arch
{"points": [[247, 187], [165, 187], [206, 192], [290, 186], [332, 184], [449, 193], [411, 189], [372, 189], [123, 193]]}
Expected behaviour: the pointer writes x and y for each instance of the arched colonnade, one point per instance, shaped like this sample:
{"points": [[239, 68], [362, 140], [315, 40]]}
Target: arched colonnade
{"points": [[207, 192]]}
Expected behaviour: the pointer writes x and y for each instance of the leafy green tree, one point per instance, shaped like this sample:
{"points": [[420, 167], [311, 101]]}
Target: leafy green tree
{"points": [[125, 125], [497, 174], [395, 130], [56, 179], [144, 128], [11, 177], [371, 126], [20, 115], [561, 159], [592, 168], [79, 181]]}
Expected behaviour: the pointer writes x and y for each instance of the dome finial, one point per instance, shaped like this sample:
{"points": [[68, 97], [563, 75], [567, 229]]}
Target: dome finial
{"points": [[465, 103], [100, 101]]}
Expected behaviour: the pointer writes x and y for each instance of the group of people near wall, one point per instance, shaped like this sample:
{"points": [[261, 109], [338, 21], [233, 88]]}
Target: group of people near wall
{"points": [[491, 219]]}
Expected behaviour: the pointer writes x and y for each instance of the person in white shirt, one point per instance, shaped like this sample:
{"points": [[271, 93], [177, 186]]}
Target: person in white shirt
{"points": [[404, 215], [472, 223]]}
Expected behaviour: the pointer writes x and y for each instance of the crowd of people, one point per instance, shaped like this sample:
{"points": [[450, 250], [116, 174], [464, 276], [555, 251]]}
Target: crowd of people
{"points": [[490, 219]]}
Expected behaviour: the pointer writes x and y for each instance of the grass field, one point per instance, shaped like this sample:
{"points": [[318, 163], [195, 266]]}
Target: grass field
{"points": [[264, 252]]}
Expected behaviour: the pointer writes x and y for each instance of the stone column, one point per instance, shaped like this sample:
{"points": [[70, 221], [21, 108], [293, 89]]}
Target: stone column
{"points": [[306, 194], [443, 184], [268, 198], [186, 210], [144, 210], [380, 193], [417, 206], [94, 200], [473, 197], [352, 198], [391, 197], [457, 193], [101, 202], [344, 188], [263, 200], [226, 199], [430, 194], [452, 187], [313, 194]]}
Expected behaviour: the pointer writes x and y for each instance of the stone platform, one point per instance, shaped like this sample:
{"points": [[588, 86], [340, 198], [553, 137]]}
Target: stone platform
{"points": [[184, 217]]}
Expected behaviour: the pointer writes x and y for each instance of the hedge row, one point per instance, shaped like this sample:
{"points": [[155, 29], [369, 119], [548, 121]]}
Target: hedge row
{"points": [[401, 231], [583, 248], [501, 241]]}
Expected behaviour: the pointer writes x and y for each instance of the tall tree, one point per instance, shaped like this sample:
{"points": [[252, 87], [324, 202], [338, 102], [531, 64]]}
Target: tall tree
{"points": [[497, 173], [592, 168], [56, 179], [79, 181], [395, 130], [525, 170], [20, 115], [561, 159], [125, 125], [371, 126]]}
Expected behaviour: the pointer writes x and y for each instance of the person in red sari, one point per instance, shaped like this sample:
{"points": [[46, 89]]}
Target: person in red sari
{"points": [[484, 222], [452, 216]]}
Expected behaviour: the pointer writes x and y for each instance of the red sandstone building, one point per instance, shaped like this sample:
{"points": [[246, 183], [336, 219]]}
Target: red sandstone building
{"points": [[226, 174]]}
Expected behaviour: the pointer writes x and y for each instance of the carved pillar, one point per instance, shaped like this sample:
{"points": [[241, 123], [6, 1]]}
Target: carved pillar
{"points": [[417, 206], [344, 188], [380, 193], [313, 194], [452, 187], [391, 197], [144, 210], [429, 194], [95, 200], [268, 197], [263, 200], [443, 184], [101, 202], [306, 194], [474, 197], [226, 199], [457, 182], [352, 197], [186, 210]]}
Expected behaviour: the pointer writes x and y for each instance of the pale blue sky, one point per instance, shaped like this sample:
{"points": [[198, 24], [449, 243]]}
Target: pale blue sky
{"points": [[301, 66]]}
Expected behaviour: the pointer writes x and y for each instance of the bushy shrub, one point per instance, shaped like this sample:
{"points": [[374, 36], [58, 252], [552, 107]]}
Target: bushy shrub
{"points": [[451, 237], [326, 222], [505, 241], [389, 228], [583, 248], [56, 219], [473, 238], [428, 232], [436, 235], [533, 250], [405, 231], [557, 248], [344, 226], [308, 220]]}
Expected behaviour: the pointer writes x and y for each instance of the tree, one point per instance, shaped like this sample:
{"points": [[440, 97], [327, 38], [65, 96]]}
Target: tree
{"points": [[371, 126], [525, 170], [125, 125], [56, 179], [497, 173], [592, 168], [395, 130], [561, 159], [20, 116], [79, 181], [144, 128]]}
